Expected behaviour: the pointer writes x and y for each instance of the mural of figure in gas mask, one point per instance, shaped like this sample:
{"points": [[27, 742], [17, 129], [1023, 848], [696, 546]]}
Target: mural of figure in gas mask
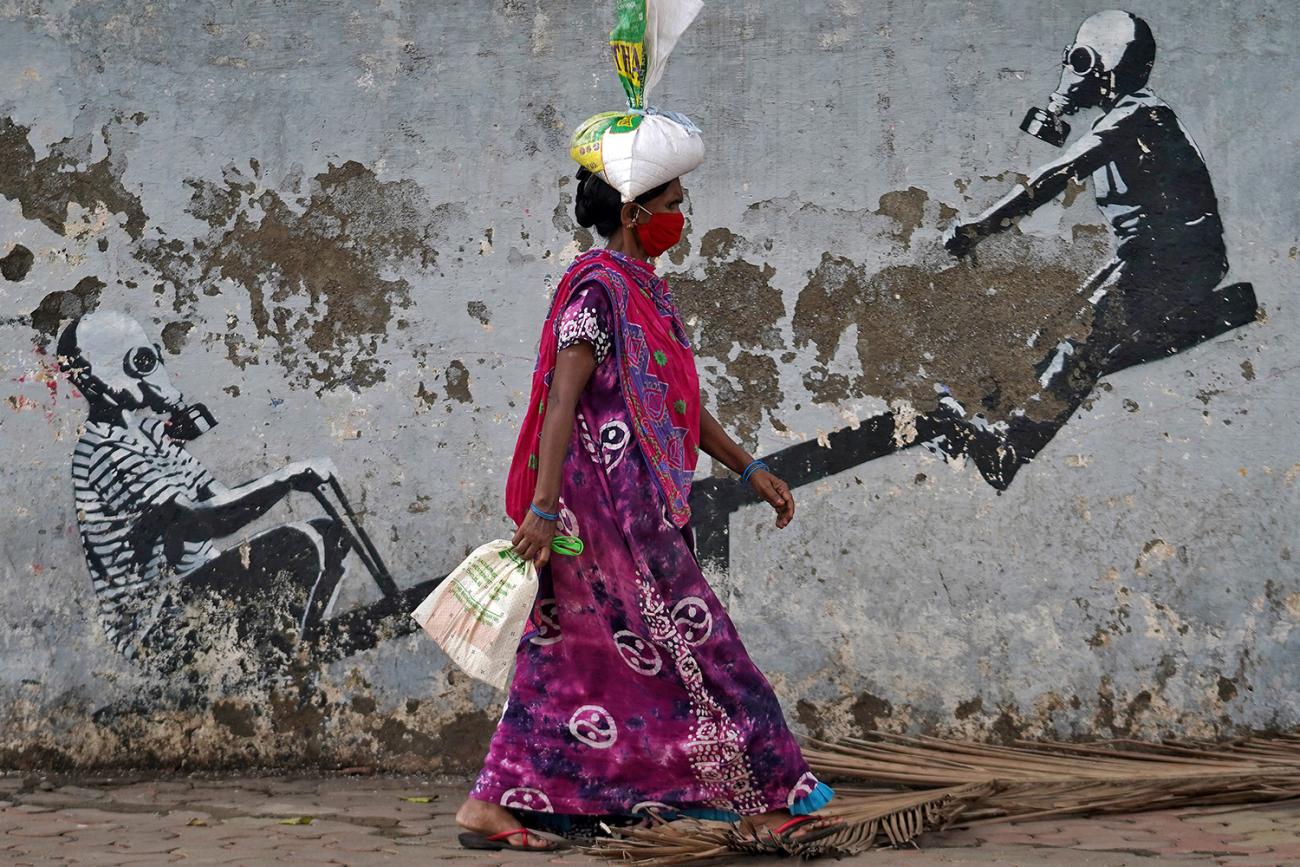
{"points": [[1157, 294], [151, 516]]}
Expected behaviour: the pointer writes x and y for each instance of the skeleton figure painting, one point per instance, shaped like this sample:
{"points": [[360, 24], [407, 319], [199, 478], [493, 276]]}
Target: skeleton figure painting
{"points": [[152, 517]]}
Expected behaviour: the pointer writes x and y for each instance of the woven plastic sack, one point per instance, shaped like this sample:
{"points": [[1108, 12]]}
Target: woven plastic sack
{"points": [[638, 149], [478, 613]]}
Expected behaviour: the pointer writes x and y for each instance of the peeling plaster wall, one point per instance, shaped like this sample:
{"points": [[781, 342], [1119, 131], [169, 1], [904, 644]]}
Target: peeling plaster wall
{"points": [[342, 222]]}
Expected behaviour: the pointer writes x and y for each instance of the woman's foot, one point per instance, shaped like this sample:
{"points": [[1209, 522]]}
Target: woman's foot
{"points": [[487, 819], [765, 824]]}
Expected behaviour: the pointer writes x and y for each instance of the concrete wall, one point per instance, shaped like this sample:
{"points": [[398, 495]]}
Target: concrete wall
{"points": [[341, 220]]}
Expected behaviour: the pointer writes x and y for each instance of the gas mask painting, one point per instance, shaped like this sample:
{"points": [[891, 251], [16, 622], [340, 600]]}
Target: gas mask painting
{"points": [[1159, 293], [114, 365], [1112, 54]]}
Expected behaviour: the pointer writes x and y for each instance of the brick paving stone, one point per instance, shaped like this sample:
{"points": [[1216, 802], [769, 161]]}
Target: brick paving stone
{"points": [[93, 838], [388, 807], [415, 829], [1138, 840], [155, 824], [252, 847], [295, 832], [58, 800], [1272, 839], [44, 829], [1065, 838], [236, 801], [92, 818], [344, 849], [1288, 851], [12, 819], [190, 818], [238, 827], [278, 786], [203, 851], [1195, 842], [1192, 841], [151, 845], [347, 832], [414, 839], [290, 809], [357, 805], [1241, 823], [1007, 834], [318, 828], [133, 796], [351, 859], [85, 793], [194, 834], [105, 858], [303, 851], [101, 858]]}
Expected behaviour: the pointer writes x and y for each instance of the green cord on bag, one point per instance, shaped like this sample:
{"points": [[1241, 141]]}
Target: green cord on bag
{"points": [[569, 546]]}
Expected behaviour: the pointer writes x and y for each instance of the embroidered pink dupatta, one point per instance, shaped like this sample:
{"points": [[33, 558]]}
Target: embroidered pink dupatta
{"points": [[656, 371]]}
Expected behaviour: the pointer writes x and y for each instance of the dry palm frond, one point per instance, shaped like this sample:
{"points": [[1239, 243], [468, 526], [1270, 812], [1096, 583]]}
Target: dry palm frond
{"points": [[686, 841], [871, 819], [935, 781], [1041, 779], [889, 818]]}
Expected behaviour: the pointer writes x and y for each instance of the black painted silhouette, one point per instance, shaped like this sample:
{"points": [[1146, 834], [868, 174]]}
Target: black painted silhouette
{"points": [[151, 516], [1156, 296]]}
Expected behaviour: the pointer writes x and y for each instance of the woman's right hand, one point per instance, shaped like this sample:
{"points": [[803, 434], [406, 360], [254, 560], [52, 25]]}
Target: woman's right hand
{"points": [[532, 540]]}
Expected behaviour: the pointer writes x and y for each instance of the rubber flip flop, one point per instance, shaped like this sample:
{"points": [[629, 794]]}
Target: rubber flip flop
{"points": [[785, 832], [498, 842]]}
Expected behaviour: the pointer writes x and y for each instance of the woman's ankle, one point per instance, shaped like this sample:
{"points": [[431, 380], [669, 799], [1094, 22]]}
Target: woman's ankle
{"points": [[472, 810]]}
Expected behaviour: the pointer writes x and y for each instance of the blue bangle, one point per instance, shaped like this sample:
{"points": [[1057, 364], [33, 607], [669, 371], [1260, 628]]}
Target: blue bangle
{"points": [[545, 516], [751, 469]]}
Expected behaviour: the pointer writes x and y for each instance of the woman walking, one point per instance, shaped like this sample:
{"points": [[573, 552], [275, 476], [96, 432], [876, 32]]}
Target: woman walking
{"points": [[632, 691]]}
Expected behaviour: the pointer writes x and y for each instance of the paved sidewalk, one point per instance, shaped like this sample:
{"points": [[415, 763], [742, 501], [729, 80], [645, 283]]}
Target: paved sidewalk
{"points": [[390, 820]]}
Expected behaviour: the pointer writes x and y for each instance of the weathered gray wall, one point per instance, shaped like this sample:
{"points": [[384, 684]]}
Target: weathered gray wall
{"points": [[343, 219]]}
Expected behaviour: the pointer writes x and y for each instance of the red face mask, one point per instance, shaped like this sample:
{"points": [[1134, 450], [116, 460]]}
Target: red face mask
{"points": [[661, 231]]}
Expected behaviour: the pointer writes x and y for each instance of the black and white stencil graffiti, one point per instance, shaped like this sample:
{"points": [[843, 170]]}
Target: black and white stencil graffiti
{"points": [[152, 520], [1157, 295]]}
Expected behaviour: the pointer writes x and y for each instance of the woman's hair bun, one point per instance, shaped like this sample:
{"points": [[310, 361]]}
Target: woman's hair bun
{"points": [[596, 203]]}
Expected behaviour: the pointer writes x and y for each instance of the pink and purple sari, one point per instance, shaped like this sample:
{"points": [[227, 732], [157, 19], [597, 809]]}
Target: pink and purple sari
{"points": [[632, 690]]}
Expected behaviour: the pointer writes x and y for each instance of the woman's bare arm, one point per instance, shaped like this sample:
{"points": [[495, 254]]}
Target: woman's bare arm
{"points": [[573, 368], [717, 444]]}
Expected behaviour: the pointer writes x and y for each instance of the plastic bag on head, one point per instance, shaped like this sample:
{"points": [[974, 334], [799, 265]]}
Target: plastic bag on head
{"points": [[638, 149]]}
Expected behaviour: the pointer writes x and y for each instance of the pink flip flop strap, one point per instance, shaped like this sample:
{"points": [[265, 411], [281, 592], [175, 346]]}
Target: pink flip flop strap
{"points": [[497, 838]]}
